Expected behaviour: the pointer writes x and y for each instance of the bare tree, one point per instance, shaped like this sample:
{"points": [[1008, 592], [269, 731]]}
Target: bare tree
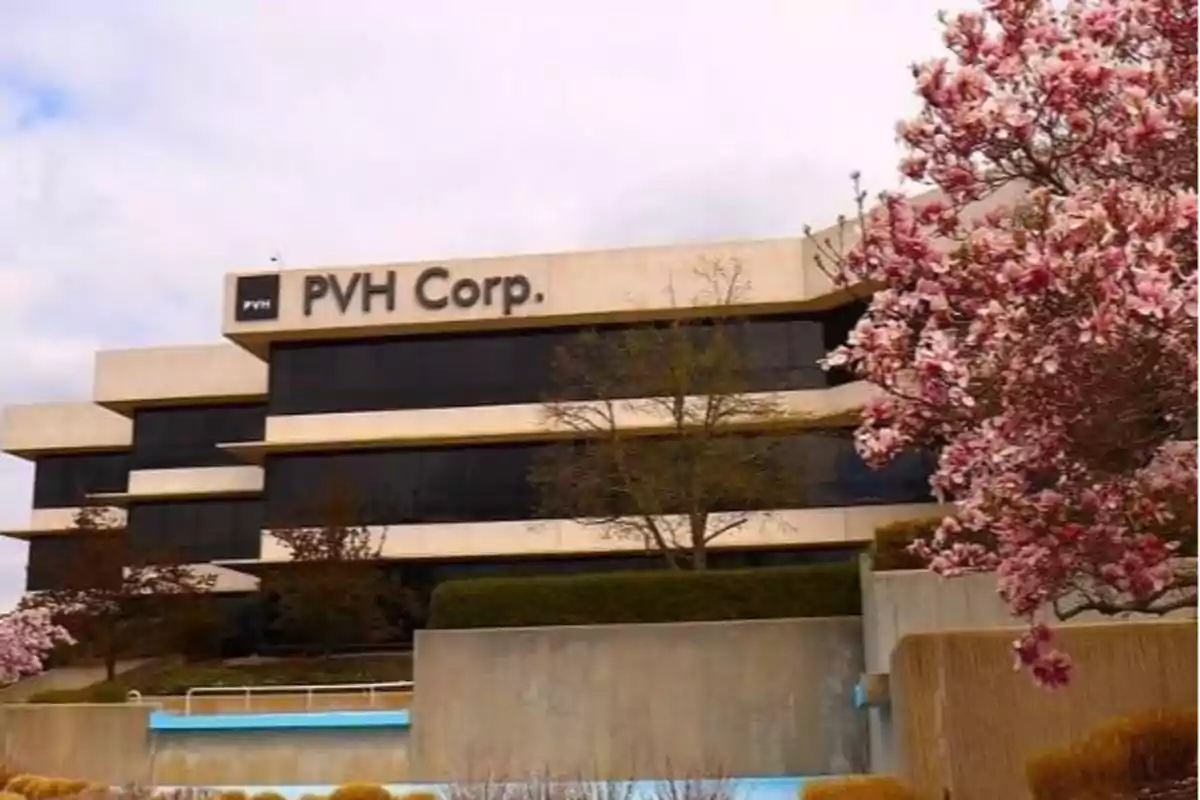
{"points": [[332, 592], [653, 414], [114, 595]]}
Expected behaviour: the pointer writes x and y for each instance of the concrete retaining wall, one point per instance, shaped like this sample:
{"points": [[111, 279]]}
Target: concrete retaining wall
{"points": [[112, 744], [280, 757], [903, 602], [102, 743], [611, 702], [968, 723]]}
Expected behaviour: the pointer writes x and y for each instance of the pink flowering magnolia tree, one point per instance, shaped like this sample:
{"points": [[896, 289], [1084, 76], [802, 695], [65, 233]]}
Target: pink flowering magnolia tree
{"points": [[26, 637], [1035, 319]]}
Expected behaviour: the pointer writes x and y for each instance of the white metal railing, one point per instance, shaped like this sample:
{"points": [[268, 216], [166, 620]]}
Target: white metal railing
{"points": [[246, 692]]}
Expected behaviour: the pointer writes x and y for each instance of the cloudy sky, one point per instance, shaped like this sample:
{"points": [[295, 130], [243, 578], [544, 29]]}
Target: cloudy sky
{"points": [[148, 147]]}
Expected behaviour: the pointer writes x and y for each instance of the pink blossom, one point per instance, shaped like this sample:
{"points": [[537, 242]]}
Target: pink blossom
{"points": [[1048, 347], [26, 637]]}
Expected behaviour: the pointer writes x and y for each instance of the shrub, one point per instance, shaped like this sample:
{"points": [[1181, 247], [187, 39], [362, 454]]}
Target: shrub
{"points": [[824, 590], [70, 788], [421, 796], [7, 773], [863, 787], [96, 693], [38, 788], [360, 791], [1123, 758], [18, 783], [268, 796], [232, 795], [49, 788]]}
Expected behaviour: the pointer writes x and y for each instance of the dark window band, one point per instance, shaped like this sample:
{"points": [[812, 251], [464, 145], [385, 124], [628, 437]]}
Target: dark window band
{"points": [[484, 483], [187, 436], [781, 352], [64, 481], [196, 531]]}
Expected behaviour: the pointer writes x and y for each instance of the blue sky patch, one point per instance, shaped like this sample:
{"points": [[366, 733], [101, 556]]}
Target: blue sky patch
{"points": [[37, 102]]}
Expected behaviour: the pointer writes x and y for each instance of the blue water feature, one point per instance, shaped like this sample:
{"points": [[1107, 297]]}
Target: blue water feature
{"points": [[739, 789], [166, 722], [163, 722]]}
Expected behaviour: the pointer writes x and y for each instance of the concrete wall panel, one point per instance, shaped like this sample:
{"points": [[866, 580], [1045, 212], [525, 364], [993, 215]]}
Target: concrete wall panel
{"points": [[101, 743], [903, 602], [968, 723], [562, 287], [611, 702], [280, 758]]}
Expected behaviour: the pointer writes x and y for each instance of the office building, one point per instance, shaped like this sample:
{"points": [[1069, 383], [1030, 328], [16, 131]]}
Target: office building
{"points": [[419, 385]]}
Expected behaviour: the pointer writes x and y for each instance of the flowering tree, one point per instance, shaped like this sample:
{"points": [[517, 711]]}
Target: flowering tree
{"points": [[113, 595], [26, 636], [1036, 319]]}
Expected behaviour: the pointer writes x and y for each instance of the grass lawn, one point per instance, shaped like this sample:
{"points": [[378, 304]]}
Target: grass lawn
{"points": [[175, 679]]}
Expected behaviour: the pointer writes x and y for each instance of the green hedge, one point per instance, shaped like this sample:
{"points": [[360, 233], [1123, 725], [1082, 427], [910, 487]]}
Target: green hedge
{"points": [[96, 693], [825, 590]]}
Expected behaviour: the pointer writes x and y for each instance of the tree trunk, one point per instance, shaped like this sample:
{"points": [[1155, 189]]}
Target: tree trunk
{"points": [[698, 523], [110, 664], [109, 646]]}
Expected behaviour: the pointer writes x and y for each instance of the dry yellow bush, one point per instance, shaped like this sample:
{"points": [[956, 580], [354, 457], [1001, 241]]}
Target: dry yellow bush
{"points": [[19, 783], [268, 796], [234, 795], [69, 788], [7, 773], [11, 796], [1120, 758], [360, 791], [38, 788], [421, 796], [863, 787]]}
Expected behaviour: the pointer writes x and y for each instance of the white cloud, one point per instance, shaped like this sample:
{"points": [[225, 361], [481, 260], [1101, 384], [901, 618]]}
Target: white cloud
{"points": [[191, 139]]}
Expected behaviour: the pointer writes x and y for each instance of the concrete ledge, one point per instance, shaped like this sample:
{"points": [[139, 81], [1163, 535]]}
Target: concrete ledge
{"points": [[837, 406], [187, 482], [162, 721], [38, 429], [58, 521], [786, 527], [194, 375]]}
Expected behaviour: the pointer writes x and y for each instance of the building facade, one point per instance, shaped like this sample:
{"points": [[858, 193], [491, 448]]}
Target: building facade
{"points": [[421, 385]]}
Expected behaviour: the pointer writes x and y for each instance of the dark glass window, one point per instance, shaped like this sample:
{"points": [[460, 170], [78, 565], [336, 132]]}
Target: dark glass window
{"points": [[502, 367], [52, 561], [196, 531], [64, 481], [186, 436], [491, 482]]}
